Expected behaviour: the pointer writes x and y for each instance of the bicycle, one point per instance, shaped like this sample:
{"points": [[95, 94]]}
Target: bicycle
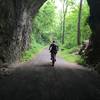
{"points": [[53, 58]]}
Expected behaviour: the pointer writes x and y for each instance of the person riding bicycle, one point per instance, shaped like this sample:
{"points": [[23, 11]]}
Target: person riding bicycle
{"points": [[53, 49]]}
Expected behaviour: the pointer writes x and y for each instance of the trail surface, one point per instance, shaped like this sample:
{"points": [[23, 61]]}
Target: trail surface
{"points": [[38, 80]]}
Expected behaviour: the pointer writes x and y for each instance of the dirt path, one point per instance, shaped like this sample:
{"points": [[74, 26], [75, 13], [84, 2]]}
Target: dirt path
{"points": [[38, 80]]}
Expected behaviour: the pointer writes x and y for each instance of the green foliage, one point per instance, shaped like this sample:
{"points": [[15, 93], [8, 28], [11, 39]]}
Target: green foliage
{"points": [[71, 55], [47, 25], [69, 49], [34, 48], [85, 29], [71, 27], [43, 24]]}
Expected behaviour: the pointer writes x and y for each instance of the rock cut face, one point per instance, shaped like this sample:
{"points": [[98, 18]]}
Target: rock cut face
{"points": [[93, 56], [15, 26]]}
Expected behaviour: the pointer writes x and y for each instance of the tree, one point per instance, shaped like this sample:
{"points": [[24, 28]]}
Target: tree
{"points": [[79, 21], [63, 21], [66, 4], [43, 24]]}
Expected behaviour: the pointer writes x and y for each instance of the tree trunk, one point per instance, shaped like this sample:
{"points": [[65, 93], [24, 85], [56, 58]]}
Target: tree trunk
{"points": [[63, 21], [79, 22]]}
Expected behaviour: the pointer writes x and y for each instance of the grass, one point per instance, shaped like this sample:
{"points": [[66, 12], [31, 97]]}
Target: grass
{"points": [[71, 55]]}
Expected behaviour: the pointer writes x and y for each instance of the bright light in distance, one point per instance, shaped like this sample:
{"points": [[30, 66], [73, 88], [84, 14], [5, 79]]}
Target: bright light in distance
{"points": [[59, 5], [77, 2]]}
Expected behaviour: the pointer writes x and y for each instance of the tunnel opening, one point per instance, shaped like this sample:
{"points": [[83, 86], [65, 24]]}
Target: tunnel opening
{"points": [[48, 26]]}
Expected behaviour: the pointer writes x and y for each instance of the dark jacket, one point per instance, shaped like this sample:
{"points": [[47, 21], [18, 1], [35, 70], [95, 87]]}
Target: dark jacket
{"points": [[53, 48]]}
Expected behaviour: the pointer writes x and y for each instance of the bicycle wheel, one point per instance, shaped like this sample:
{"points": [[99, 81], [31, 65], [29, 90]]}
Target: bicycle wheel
{"points": [[53, 59]]}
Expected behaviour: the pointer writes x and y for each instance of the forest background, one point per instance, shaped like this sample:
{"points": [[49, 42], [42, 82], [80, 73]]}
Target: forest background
{"points": [[66, 22]]}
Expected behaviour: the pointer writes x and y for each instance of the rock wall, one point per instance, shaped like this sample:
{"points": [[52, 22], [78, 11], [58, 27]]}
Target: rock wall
{"points": [[93, 55], [15, 26]]}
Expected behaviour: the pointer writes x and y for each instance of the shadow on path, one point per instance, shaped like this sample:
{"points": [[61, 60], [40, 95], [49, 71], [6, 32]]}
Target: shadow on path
{"points": [[37, 80]]}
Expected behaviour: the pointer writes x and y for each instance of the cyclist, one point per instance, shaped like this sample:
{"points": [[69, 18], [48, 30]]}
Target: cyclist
{"points": [[53, 50]]}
